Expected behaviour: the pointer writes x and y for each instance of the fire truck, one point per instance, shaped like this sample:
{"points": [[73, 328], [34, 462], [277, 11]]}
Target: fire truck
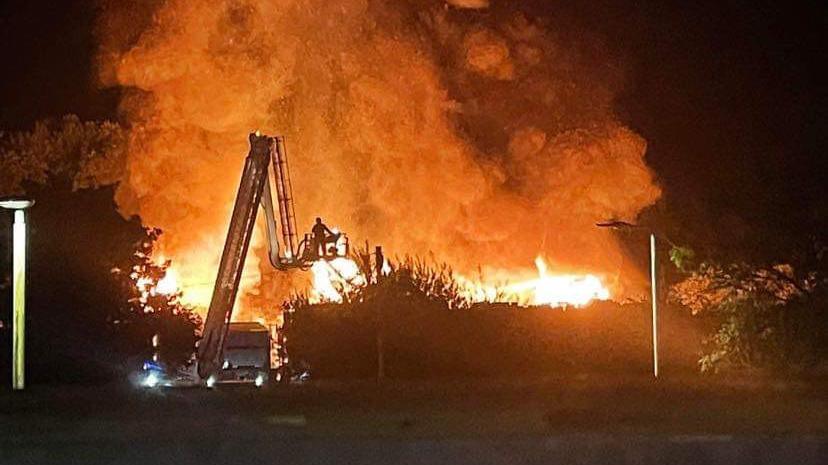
{"points": [[234, 352]]}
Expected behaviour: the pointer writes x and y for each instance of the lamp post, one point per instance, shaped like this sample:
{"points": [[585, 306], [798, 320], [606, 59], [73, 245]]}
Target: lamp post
{"points": [[654, 291], [18, 206], [614, 224]]}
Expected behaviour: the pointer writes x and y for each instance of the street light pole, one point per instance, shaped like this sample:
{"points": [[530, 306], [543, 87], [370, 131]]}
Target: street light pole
{"points": [[654, 289], [18, 206], [19, 300], [615, 224]]}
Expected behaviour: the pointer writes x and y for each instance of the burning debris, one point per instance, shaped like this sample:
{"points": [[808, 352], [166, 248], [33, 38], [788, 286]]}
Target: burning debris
{"points": [[485, 141]]}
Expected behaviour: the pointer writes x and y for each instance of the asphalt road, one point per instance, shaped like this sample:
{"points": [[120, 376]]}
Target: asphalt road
{"points": [[589, 420]]}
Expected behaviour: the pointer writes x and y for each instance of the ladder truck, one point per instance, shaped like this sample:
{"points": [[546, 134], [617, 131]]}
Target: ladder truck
{"points": [[267, 158]]}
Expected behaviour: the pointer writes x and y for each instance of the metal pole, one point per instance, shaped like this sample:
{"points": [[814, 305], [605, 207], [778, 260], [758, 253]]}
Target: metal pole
{"points": [[654, 288], [19, 299], [380, 319]]}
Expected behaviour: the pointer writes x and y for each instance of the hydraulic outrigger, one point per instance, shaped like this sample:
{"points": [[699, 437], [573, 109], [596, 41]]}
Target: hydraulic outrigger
{"points": [[255, 190]]}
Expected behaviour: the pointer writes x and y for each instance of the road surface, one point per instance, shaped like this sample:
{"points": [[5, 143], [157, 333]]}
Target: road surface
{"points": [[588, 420]]}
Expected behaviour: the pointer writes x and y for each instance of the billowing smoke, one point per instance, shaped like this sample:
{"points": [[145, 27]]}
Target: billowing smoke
{"points": [[483, 138], [469, 3]]}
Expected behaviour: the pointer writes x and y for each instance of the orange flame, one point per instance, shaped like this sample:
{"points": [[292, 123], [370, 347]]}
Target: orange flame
{"points": [[563, 289], [478, 139], [334, 278], [548, 288]]}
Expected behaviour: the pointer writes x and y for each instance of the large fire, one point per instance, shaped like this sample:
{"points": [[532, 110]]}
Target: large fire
{"points": [[169, 283], [562, 289], [476, 139], [549, 288], [333, 279], [147, 287]]}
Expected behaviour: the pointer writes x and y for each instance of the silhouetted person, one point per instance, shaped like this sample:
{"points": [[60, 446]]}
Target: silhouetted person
{"points": [[321, 236]]}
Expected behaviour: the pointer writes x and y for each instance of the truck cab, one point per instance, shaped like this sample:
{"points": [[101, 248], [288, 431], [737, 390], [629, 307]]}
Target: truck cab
{"points": [[246, 354]]}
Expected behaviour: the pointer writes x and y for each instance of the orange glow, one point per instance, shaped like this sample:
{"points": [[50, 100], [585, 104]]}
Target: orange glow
{"points": [[332, 279], [147, 288], [547, 288], [437, 134], [562, 289], [168, 284]]}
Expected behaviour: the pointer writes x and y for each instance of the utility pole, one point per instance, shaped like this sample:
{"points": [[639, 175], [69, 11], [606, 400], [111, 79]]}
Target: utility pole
{"points": [[615, 224], [380, 259], [654, 288], [18, 206]]}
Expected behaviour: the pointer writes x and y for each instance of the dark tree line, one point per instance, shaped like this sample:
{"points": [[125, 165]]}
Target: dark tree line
{"points": [[84, 319]]}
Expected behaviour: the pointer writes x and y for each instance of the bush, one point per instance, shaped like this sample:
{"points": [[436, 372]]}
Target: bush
{"points": [[768, 317]]}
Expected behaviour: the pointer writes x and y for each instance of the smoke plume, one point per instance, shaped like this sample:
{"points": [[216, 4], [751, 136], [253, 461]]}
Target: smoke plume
{"points": [[482, 136]]}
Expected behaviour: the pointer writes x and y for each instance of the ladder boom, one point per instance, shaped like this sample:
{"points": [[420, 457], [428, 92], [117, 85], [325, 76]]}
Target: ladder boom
{"points": [[284, 195], [254, 190], [254, 178]]}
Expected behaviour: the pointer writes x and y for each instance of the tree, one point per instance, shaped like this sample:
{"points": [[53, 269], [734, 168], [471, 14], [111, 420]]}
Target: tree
{"points": [[83, 321], [76, 237], [148, 310], [88, 154], [769, 316]]}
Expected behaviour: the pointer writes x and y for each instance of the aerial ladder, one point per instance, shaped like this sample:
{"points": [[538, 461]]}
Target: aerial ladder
{"points": [[267, 154]]}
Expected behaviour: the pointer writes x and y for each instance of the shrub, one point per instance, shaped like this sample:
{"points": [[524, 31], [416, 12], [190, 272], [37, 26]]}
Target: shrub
{"points": [[768, 317]]}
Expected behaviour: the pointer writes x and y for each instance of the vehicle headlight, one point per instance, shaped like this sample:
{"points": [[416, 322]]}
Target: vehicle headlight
{"points": [[211, 381], [151, 380], [259, 380]]}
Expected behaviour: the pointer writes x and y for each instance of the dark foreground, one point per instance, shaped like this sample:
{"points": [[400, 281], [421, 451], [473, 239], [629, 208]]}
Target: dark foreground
{"points": [[586, 420]]}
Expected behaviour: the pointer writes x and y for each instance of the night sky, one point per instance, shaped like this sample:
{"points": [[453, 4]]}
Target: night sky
{"points": [[46, 48], [730, 96]]}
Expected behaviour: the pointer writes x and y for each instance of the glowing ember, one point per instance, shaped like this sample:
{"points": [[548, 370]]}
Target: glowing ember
{"points": [[333, 278]]}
